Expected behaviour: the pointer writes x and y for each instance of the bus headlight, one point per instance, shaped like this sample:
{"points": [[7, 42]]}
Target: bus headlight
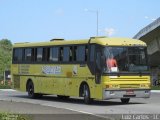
{"points": [[112, 86]]}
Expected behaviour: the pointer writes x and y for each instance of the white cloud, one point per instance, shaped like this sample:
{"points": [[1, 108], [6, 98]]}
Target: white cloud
{"points": [[149, 18], [109, 31], [153, 19]]}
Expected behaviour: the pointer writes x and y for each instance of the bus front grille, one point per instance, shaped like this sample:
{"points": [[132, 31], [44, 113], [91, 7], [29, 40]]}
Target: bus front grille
{"points": [[125, 79], [129, 85]]}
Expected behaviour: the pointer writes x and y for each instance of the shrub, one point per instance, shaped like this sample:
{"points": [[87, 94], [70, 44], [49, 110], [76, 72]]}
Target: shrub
{"points": [[9, 116]]}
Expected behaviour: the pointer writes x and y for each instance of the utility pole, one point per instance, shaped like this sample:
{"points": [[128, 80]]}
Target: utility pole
{"points": [[4, 78], [97, 19], [97, 23]]}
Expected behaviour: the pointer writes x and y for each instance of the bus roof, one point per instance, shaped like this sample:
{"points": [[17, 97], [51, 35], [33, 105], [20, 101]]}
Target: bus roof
{"points": [[98, 40]]}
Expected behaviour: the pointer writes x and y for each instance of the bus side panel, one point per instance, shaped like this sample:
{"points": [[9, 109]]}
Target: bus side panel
{"points": [[45, 85], [23, 81], [60, 83], [69, 86], [98, 91]]}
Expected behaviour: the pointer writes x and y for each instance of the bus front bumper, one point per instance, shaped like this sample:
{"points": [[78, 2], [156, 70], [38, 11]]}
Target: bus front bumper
{"points": [[113, 94]]}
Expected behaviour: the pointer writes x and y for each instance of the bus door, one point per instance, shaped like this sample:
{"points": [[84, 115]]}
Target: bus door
{"points": [[98, 71]]}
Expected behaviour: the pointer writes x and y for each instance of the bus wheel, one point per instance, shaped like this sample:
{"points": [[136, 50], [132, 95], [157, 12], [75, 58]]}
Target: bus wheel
{"points": [[87, 99], [125, 100], [30, 90]]}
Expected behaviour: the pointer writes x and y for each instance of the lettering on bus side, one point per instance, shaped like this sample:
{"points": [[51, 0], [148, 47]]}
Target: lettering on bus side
{"points": [[23, 69], [51, 70]]}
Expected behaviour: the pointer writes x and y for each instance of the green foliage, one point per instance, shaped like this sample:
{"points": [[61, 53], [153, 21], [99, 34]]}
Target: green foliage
{"points": [[155, 87], [5, 56], [5, 87], [6, 44], [9, 116]]}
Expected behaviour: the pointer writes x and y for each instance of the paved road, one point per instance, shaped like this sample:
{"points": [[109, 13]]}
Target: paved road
{"points": [[72, 105], [38, 112]]}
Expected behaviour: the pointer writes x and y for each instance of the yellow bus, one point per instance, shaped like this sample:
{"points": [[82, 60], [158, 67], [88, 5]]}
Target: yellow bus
{"points": [[98, 68]]}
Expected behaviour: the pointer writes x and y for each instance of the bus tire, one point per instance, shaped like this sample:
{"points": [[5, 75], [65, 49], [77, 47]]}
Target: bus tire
{"points": [[86, 94], [125, 100], [30, 90]]}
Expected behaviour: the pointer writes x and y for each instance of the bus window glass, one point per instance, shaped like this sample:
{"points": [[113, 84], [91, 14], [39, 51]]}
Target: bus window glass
{"points": [[66, 54], [125, 59], [80, 53], [18, 55], [39, 54], [54, 54], [92, 51], [137, 58], [28, 54]]}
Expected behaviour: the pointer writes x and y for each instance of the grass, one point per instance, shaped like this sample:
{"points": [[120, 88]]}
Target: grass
{"points": [[5, 87], [10, 116], [155, 87]]}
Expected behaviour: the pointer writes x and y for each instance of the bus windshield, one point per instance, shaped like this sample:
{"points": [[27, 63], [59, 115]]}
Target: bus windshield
{"points": [[125, 59]]}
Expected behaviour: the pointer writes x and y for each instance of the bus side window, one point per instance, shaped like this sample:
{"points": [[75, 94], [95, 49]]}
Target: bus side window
{"points": [[92, 52], [66, 54], [91, 58], [39, 53], [86, 53], [54, 53], [80, 54], [28, 53], [17, 55]]}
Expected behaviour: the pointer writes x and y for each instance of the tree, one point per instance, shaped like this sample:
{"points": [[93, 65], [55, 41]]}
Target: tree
{"points": [[5, 56], [6, 44]]}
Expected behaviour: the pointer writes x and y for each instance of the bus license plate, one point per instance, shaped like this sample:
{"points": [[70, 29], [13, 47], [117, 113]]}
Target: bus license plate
{"points": [[129, 92]]}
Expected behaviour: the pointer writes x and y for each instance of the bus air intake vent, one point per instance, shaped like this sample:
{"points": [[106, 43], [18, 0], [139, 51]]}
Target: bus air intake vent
{"points": [[57, 39], [98, 37]]}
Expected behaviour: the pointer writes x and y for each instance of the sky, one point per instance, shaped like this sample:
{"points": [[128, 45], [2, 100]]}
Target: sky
{"points": [[43, 20]]}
